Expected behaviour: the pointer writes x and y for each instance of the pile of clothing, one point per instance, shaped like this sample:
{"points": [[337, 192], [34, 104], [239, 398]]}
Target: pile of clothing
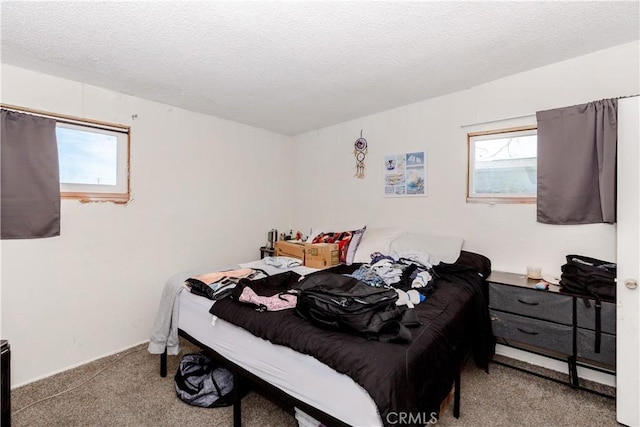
{"points": [[412, 279]]}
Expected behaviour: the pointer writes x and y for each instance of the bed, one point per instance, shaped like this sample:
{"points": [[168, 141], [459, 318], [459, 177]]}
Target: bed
{"points": [[331, 375]]}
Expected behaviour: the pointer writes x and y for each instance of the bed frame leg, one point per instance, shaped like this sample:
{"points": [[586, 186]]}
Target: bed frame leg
{"points": [[163, 363], [237, 401], [456, 395]]}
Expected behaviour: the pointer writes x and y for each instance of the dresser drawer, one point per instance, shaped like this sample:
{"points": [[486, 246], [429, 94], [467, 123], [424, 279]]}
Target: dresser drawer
{"points": [[531, 302], [586, 316], [538, 333], [586, 347]]}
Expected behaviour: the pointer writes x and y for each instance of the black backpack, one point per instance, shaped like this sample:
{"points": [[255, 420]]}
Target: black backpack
{"points": [[589, 276], [592, 278], [341, 303], [200, 381]]}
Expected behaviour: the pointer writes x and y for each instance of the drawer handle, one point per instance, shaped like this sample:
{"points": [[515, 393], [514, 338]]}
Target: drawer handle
{"points": [[528, 303], [528, 332]]}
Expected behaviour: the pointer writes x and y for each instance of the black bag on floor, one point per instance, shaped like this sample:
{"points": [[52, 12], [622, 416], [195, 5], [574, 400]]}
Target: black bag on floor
{"points": [[200, 381], [343, 303], [589, 276]]}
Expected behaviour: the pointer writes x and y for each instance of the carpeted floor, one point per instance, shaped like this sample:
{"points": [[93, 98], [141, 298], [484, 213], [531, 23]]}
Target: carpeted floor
{"points": [[126, 390]]}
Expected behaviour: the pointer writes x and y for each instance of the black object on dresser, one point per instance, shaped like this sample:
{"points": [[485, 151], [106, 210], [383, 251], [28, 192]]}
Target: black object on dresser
{"points": [[266, 251], [551, 323], [5, 390]]}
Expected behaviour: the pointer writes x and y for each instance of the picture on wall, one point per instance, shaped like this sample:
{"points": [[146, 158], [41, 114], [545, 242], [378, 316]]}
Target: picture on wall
{"points": [[405, 175]]}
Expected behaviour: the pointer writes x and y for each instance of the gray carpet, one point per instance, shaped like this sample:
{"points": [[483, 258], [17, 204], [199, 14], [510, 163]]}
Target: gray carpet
{"points": [[126, 390]]}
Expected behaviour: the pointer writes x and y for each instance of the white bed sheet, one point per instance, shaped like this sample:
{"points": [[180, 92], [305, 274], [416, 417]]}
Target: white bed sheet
{"points": [[299, 375]]}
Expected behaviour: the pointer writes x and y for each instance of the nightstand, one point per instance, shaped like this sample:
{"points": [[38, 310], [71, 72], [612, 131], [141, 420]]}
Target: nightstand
{"points": [[530, 319], [265, 251], [551, 323]]}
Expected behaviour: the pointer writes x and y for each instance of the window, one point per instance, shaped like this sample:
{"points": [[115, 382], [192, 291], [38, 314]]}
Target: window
{"points": [[503, 166], [93, 157], [94, 161]]}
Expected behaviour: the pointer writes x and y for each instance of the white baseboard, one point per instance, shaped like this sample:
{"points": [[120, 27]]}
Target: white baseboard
{"points": [[555, 365]]}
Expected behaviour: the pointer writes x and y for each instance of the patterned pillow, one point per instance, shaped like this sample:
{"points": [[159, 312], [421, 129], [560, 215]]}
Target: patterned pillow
{"points": [[344, 239]]}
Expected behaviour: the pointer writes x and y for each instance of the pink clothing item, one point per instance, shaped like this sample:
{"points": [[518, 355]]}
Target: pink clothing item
{"points": [[278, 302], [210, 278]]}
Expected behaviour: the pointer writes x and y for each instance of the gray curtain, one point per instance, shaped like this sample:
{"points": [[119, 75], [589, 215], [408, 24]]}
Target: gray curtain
{"points": [[577, 163], [29, 185]]}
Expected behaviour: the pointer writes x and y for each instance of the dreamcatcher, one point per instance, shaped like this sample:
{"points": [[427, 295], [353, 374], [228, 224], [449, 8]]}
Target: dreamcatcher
{"points": [[360, 151]]}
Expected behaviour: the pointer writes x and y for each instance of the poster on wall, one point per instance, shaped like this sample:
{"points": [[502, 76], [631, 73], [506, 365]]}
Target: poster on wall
{"points": [[405, 175]]}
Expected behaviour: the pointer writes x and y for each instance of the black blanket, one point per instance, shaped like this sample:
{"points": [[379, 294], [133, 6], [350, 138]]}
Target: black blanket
{"points": [[412, 378]]}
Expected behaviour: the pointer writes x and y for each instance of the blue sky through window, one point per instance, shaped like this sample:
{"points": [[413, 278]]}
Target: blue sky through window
{"points": [[87, 157]]}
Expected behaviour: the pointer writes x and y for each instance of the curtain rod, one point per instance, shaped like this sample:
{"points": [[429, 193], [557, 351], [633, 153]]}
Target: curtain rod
{"points": [[499, 120], [527, 115], [63, 118]]}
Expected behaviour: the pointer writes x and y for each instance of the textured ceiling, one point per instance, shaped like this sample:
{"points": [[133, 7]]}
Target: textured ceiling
{"points": [[296, 66]]}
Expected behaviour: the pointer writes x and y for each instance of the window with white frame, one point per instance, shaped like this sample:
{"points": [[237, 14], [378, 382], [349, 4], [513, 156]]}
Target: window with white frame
{"points": [[93, 157], [94, 161], [503, 166]]}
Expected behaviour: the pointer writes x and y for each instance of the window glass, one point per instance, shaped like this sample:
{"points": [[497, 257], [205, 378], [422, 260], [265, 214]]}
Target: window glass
{"points": [[93, 162], [503, 166], [87, 157]]}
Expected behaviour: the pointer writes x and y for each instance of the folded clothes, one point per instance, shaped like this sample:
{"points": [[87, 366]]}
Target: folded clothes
{"points": [[281, 301], [282, 261], [210, 278], [218, 284]]}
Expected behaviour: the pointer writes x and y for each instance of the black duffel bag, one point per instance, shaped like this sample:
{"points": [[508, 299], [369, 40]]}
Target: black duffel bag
{"points": [[589, 276], [201, 381], [341, 303]]}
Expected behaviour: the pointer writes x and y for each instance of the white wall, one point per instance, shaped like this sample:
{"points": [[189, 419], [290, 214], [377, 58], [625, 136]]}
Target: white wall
{"points": [[507, 233], [205, 191], [200, 196]]}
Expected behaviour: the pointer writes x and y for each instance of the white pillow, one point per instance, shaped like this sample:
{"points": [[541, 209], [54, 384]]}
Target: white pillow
{"points": [[376, 240], [440, 248]]}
